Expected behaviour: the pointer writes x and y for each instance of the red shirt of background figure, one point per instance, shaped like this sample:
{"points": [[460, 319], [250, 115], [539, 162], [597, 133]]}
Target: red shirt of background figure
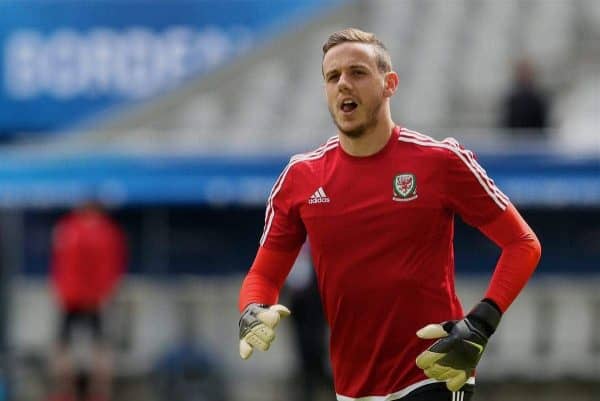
{"points": [[88, 259]]}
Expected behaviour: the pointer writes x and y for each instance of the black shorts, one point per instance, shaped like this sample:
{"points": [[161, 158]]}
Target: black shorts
{"points": [[439, 392], [86, 320]]}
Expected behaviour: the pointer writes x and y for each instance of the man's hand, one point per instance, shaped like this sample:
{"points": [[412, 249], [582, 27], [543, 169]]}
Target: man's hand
{"points": [[257, 327], [461, 343]]}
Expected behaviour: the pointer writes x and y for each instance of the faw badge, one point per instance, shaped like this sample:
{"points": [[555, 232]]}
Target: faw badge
{"points": [[405, 187]]}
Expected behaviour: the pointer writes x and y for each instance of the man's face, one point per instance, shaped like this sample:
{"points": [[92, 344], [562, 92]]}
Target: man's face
{"points": [[354, 87]]}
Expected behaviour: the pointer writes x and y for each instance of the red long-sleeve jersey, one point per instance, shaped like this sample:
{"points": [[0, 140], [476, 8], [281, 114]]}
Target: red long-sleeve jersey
{"points": [[88, 259], [381, 234]]}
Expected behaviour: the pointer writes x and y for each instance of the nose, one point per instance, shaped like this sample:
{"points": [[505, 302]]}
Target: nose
{"points": [[343, 82]]}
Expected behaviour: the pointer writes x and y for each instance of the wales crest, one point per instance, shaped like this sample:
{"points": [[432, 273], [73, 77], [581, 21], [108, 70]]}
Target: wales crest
{"points": [[405, 187]]}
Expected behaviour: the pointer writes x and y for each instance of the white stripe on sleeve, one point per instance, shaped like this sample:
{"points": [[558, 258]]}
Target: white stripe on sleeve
{"points": [[332, 143], [466, 157]]}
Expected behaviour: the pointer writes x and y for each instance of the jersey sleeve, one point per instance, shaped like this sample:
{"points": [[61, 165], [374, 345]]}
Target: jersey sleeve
{"points": [[468, 189], [521, 251], [266, 277], [284, 229]]}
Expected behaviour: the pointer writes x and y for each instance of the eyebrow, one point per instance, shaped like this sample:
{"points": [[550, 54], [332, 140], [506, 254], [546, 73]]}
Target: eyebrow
{"points": [[351, 67]]}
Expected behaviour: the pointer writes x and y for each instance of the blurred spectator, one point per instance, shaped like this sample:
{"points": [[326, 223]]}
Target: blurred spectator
{"points": [[187, 371], [309, 329], [88, 260], [525, 106]]}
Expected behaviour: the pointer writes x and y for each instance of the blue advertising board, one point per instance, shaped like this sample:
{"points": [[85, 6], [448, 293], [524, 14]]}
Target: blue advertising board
{"points": [[40, 181], [62, 61]]}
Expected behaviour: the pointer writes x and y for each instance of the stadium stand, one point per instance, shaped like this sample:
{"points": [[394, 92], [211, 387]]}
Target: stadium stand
{"points": [[454, 59]]}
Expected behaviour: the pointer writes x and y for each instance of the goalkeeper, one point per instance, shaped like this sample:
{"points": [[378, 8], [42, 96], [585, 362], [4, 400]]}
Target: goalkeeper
{"points": [[377, 203]]}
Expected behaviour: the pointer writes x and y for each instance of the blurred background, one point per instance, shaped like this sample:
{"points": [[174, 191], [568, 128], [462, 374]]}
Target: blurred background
{"points": [[177, 116]]}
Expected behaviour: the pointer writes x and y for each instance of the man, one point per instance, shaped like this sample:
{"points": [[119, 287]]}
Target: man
{"points": [[309, 328], [377, 203], [88, 260], [525, 108]]}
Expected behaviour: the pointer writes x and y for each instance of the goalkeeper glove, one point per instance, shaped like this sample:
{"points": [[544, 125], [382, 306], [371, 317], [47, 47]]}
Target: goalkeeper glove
{"points": [[461, 343], [257, 325]]}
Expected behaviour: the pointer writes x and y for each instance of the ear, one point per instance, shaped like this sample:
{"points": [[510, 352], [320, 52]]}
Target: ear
{"points": [[391, 81]]}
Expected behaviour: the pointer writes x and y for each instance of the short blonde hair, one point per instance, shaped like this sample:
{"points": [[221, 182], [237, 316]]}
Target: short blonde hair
{"points": [[384, 61]]}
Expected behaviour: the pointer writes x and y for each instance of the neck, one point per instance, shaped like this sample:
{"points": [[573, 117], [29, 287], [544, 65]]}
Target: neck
{"points": [[371, 141]]}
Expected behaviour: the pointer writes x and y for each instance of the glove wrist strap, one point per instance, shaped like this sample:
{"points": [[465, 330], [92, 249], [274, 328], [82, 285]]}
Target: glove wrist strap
{"points": [[485, 317], [249, 314]]}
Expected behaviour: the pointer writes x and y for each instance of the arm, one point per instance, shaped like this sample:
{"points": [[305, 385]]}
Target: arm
{"points": [[469, 192], [258, 296], [521, 252], [62, 261], [266, 276], [114, 260], [454, 357], [283, 236]]}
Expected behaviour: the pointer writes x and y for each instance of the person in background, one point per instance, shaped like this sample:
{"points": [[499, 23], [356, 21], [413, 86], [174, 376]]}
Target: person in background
{"points": [[309, 327], [89, 253], [525, 106]]}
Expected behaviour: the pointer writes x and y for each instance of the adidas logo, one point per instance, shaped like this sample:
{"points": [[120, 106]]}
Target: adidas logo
{"points": [[318, 197]]}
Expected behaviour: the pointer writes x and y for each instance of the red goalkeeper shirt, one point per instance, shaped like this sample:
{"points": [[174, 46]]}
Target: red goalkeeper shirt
{"points": [[381, 232]]}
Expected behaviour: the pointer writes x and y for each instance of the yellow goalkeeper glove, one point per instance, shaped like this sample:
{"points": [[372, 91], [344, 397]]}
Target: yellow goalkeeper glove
{"points": [[257, 327], [461, 343]]}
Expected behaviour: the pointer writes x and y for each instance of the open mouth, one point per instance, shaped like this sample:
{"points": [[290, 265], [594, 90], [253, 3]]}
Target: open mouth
{"points": [[348, 106]]}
